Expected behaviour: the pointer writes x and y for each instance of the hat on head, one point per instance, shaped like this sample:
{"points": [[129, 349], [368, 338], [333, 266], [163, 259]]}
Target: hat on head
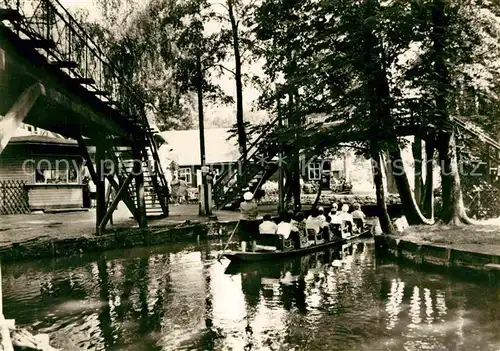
{"points": [[247, 196]]}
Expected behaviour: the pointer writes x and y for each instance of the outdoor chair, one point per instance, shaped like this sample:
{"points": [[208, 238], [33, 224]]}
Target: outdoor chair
{"points": [[346, 229], [336, 230], [359, 224], [312, 235]]}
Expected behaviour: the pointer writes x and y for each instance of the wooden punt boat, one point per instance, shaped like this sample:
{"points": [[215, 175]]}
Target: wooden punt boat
{"points": [[238, 256]]}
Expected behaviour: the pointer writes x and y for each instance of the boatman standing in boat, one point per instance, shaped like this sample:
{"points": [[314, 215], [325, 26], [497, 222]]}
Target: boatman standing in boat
{"points": [[249, 225]]}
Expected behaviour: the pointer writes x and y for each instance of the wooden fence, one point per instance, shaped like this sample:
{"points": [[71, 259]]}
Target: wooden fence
{"points": [[13, 197]]}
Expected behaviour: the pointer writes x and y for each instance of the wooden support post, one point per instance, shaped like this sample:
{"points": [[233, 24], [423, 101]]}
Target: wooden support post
{"points": [[17, 113], [109, 191], [86, 157], [126, 198], [93, 174], [100, 186], [114, 204], [137, 171]]}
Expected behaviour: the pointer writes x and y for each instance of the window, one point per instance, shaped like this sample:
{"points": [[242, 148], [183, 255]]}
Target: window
{"points": [[185, 174], [315, 171], [72, 173], [56, 173], [40, 175]]}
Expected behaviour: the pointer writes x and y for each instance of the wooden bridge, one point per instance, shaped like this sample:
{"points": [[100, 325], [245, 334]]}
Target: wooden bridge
{"points": [[262, 159], [54, 76]]}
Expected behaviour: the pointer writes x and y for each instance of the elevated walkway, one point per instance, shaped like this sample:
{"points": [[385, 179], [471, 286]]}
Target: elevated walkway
{"points": [[55, 77]]}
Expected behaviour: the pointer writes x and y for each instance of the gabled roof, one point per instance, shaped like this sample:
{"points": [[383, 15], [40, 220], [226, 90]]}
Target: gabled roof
{"points": [[185, 145]]}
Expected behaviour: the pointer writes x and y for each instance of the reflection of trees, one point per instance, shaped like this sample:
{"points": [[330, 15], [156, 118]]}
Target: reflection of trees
{"points": [[105, 322]]}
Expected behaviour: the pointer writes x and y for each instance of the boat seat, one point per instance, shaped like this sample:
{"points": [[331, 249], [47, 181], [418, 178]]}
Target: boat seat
{"points": [[335, 230], [270, 240], [346, 229], [360, 223], [313, 236]]}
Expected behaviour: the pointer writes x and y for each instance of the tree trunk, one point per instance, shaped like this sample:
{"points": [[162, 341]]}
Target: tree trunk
{"points": [[428, 196], [453, 205], [318, 197], [417, 158], [410, 206], [296, 189], [392, 187], [242, 137], [378, 179]]}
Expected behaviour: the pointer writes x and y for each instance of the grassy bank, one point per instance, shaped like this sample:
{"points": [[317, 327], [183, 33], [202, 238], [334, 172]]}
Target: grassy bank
{"points": [[483, 236]]}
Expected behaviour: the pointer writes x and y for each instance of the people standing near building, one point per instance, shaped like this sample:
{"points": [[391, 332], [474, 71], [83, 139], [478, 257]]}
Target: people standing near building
{"points": [[175, 186], [93, 193], [249, 226], [86, 192]]}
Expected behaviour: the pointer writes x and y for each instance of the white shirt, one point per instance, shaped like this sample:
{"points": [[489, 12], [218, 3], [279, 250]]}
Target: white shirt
{"points": [[313, 223], [358, 214], [322, 218], [345, 216], [336, 219], [285, 228], [268, 227]]}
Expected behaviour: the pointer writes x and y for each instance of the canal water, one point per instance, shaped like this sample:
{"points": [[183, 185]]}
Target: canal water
{"points": [[181, 298]]}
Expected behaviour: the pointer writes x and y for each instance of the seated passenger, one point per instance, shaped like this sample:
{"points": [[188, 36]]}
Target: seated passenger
{"points": [[357, 213], [346, 217], [334, 211], [325, 228], [267, 226], [321, 213], [358, 216], [287, 229], [313, 221], [300, 223]]}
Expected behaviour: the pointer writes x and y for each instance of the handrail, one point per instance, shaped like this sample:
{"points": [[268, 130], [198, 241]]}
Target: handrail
{"points": [[50, 20], [98, 60], [242, 160], [477, 133]]}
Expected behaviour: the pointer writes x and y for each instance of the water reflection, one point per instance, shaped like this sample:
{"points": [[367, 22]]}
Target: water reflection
{"points": [[180, 298]]}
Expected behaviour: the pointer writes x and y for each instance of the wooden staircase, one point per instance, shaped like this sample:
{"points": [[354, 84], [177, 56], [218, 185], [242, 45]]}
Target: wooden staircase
{"points": [[250, 173], [155, 185]]}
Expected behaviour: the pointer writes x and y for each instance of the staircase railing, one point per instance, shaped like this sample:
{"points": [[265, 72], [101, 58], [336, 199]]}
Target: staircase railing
{"points": [[475, 130], [242, 162], [68, 47], [251, 150]]}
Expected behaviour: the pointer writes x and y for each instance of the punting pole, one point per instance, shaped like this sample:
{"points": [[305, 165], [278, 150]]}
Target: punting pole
{"points": [[237, 224]]}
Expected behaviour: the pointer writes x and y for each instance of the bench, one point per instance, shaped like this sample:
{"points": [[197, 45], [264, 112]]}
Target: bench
{"points": [[313, 236]]}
